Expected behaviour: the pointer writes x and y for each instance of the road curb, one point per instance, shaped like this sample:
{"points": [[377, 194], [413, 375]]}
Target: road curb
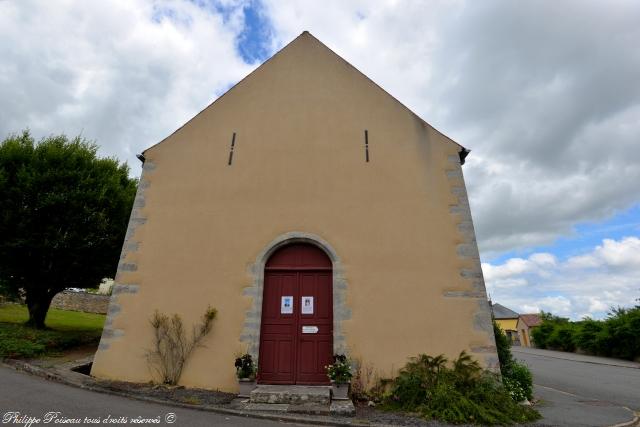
{"points": [[52, 375], [618, 365], [633, 423]]}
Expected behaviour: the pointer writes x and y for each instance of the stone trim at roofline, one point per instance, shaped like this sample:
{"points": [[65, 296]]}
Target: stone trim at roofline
{"points": [[121, 284], [251, 332], [468, 251]]}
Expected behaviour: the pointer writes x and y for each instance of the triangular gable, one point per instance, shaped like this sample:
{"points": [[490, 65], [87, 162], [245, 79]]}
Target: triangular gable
{"points": [[309, 38]]}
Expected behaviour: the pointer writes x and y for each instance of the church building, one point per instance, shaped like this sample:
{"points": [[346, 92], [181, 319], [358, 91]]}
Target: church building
{"points": [[318, 215]]}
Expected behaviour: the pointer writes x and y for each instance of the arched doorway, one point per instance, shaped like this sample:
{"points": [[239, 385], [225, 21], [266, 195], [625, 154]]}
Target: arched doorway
{"points": [[296, 333]]}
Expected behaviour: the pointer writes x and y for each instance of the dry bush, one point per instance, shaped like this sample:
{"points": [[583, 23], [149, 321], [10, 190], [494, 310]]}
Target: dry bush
{"points": [[172, 348]]}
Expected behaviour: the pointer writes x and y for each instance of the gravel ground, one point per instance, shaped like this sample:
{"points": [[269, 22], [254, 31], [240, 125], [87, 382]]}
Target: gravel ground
{"points": [[193, 396], [373, 415]]}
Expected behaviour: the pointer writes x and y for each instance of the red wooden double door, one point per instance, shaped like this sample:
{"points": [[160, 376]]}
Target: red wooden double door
{"points": [[296, 333]]}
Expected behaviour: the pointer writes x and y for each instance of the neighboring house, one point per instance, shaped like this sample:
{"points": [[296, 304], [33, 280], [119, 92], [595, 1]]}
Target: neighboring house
{"points": [[526, 323], [507, 319], [318, 215]]}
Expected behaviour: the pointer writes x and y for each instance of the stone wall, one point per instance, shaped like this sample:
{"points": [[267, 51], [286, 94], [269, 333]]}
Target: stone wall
{"points": [[81, 301]]}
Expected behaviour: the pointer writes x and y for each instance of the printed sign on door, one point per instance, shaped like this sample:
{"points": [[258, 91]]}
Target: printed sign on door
{"points": [[307, 305], [286, 305]]}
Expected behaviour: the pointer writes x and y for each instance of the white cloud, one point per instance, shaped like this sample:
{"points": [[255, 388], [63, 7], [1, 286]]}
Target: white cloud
{"points": [[625, 253], [551, 116], [585, 285], [543, 259], [612, 254], [516, 272], [583, 262], [558, 305], [125, 73]]}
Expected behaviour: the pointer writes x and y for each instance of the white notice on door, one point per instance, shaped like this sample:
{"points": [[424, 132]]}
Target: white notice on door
{"points": [[307, 305], [309, 329], [286, 305]]}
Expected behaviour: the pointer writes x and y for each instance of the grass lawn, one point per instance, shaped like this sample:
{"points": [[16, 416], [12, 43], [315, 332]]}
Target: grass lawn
{"points": [[67, 329]]}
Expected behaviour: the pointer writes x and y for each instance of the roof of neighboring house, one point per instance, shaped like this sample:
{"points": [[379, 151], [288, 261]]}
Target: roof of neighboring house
{"points": [[531, 320], [502, 312]]}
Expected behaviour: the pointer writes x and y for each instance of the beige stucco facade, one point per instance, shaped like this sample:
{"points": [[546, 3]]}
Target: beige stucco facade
{"points": [[407, 276]]}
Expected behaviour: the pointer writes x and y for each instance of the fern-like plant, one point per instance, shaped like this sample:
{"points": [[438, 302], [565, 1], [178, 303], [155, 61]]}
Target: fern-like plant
{"points": [[460, 393]]}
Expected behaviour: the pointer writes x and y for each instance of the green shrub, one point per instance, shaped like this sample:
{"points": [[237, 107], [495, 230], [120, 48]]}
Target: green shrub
{"points": [[245, 367], [503, 347], [620, 336], [420, 374], [519, 375], [616, 336], [555, 333], [20, 348], [516, 377], [460, 393], [541, 333], [340, 370], [562, 337], [515, 390], [589, 336], [19, 341]]}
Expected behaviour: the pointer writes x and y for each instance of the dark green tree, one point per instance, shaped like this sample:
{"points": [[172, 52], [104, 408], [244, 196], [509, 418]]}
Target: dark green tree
{"points": [[63, 217]]}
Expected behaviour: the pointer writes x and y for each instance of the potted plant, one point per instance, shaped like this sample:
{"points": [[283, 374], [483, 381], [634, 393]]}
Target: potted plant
{"points": [[339, 372], [246, 372]]}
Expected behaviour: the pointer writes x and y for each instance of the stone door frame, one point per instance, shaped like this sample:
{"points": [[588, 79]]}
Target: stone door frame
{"points": [[250, 335]]}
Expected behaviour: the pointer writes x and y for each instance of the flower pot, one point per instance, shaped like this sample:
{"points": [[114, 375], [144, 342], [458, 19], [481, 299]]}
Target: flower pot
{"points": [[339, 391], [246, 386]]}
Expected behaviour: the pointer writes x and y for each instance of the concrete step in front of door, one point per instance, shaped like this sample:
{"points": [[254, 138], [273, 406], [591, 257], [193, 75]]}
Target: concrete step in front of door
{"points": [[291, 395]]}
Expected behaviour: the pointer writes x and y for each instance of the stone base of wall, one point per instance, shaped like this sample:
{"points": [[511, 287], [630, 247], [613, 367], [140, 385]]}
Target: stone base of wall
{"points": [[81, 301]]}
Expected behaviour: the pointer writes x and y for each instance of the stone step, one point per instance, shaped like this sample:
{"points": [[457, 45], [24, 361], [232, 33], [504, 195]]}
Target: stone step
{"points": [[309, 409], [343, 408], [291, 394], [267, 407]]}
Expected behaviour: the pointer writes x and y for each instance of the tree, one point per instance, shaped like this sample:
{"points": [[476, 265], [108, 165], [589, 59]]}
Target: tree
{"points": [[63, 219]]}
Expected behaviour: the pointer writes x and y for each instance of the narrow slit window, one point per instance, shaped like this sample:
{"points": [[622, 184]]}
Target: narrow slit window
{"points": [[366, 145], [233, 145]]}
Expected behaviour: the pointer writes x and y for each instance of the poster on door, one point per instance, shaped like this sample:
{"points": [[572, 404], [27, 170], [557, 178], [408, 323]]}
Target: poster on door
{"points": [[307, 305], [286, 305]]}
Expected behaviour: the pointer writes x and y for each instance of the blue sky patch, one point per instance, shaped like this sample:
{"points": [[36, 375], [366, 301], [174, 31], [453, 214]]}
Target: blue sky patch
{"points": [[254, 43], [587, 236]]}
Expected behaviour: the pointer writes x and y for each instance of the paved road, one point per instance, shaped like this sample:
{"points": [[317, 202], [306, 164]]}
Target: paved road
{"points": [[34, 397], [579, 390]]}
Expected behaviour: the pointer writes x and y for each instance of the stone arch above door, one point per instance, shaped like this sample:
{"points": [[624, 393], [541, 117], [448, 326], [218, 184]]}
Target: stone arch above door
{"points": [[251, 332]]}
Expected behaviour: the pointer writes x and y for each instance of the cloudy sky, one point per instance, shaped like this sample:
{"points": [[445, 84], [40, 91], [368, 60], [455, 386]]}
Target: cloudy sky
{"points": [[545, 94]]}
